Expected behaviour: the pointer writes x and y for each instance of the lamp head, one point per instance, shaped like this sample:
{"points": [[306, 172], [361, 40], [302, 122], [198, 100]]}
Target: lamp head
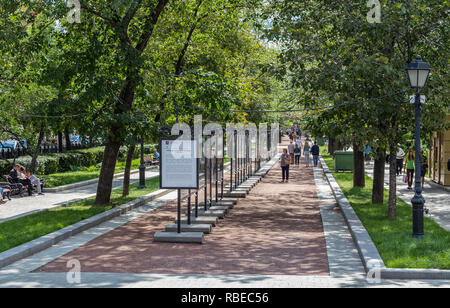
{"points": [[418, 73]]}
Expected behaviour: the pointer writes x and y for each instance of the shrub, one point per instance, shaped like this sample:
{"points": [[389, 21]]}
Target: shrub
{"points": [[72, 160]]}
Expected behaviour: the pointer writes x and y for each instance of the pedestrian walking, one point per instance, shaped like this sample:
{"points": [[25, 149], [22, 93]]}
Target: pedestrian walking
{"points": [[400, 157], [315, 151], [424, 168], [298, 140], [298, 154], [285, 164], [410, 160], [306, 152], [367, 151], [291, 149]]}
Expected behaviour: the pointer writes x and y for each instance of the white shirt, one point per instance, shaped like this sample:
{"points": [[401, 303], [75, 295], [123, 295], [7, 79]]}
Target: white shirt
{"points": [[291, 148], [400, 154]]}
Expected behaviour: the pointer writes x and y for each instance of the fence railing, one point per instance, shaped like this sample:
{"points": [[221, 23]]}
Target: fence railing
{"points": [[8, 153]]}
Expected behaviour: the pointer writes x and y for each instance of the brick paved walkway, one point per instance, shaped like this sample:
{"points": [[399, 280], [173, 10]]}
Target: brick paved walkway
{"points": [[277, 229]]}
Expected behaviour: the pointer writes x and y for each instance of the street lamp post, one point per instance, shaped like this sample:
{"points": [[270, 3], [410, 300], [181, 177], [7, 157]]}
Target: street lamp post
{"points": [[418, 73], [142, 166]]}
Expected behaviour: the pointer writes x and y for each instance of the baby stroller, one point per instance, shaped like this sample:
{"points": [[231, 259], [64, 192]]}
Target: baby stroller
{"points": [[6, 191]]}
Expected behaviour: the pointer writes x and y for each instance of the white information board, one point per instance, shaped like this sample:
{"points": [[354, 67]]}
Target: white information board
{"points": [[179, 165]]}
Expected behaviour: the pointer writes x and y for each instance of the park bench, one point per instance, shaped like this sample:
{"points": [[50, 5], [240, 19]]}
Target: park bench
{"points": [[149, 161], [17, 188]]}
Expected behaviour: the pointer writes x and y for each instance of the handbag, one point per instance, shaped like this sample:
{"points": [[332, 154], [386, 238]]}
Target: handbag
{"points": [[287, 160], [405, 178]]}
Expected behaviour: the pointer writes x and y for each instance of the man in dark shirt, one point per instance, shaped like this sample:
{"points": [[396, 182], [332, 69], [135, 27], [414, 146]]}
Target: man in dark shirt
{"points": [[14, 178], [315, 151]]}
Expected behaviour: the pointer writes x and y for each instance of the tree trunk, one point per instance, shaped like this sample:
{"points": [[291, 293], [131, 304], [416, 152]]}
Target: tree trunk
{"points": [[378, 177], [68, 144], [107, 174], [36, 152], [124, 103], [392, 212], [359, 179], [113, 146], [60, 142], [331, 145], [126, 180]]}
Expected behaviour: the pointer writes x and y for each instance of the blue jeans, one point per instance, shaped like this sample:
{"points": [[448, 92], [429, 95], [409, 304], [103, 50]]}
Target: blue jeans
{"points": [[285, 172], [307, 158], [316, 160]]}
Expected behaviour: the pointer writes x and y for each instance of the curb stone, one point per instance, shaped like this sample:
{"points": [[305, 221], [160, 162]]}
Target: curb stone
{"points": [[59, 205], [86, 183], [370, 256], [436, 185]]}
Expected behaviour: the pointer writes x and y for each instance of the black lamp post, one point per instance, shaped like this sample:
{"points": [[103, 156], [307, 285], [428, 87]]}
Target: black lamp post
{"points": [[418, 73], [142, 166]]}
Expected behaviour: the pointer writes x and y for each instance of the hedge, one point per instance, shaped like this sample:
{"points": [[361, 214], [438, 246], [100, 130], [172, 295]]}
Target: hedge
{"points": [[68, 161]]}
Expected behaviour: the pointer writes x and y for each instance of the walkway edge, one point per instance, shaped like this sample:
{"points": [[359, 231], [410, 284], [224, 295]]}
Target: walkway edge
{"points": [[436, 185], [28, 249], [87, 183], [370, 256]]}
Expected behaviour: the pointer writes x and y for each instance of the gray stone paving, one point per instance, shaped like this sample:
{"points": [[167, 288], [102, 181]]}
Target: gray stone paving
{"points": [[343, 257], [20, 207], [102, 280], [437, 199]]}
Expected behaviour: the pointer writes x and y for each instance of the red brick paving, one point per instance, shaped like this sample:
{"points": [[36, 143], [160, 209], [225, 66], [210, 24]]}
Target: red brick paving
{"points": [[277, 229]]}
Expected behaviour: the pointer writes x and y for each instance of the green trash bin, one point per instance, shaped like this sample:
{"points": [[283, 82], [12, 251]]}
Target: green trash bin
{"points": [[343, 161]]}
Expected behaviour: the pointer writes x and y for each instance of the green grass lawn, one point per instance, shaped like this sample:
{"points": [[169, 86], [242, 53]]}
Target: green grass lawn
{"points": [[393, 239], [22, 230], [84, 174]]}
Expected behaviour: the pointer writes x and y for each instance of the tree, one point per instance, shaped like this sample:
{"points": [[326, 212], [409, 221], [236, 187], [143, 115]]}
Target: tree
{"points": [[357, 68]]}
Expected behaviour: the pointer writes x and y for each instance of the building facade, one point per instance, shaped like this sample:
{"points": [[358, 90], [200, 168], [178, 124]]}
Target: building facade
{"points": [[439, 156]]}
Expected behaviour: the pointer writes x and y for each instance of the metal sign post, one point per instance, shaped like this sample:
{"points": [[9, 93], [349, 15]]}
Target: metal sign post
{"points": [[217, 178], [206, 183], [236, 164], [189, 207], [179, 169], [211, 169], [222, 167]]}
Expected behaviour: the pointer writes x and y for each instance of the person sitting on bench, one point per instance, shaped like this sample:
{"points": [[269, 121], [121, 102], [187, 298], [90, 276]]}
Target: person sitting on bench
{"points": [[35, 181], [156, 155], [17, 177]]}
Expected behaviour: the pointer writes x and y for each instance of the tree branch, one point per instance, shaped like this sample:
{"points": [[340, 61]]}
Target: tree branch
{"points": [[92, 11], [127, 19], [179, 64], [150, 25]]}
